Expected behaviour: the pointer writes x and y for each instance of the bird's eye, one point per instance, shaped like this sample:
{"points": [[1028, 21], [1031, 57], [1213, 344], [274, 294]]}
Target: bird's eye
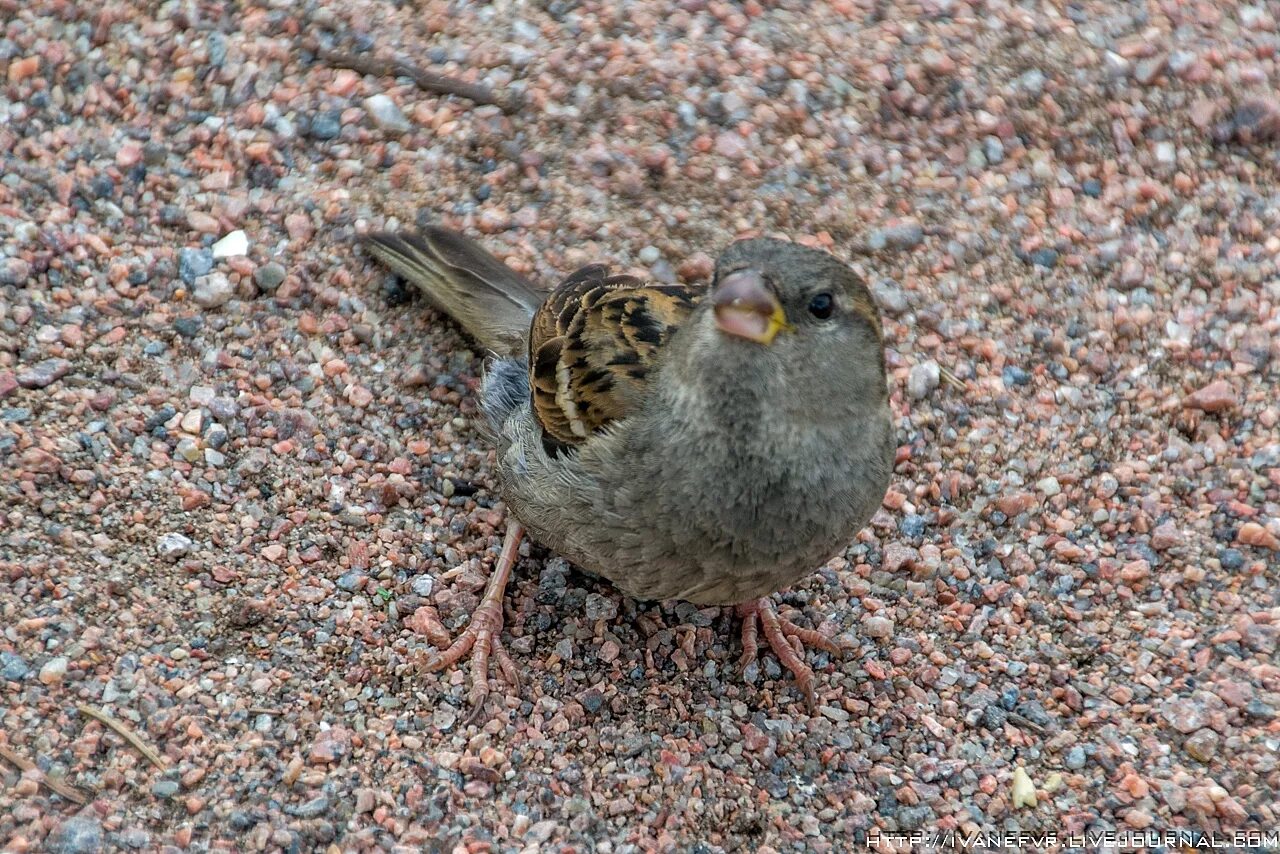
{"points": [[821, 306]]}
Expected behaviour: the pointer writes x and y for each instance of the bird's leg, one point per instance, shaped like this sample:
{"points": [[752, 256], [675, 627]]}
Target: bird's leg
{"points": [[785, 638], [482, 636]]}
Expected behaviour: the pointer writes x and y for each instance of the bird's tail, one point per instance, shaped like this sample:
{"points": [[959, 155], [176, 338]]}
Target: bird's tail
{"points": [[492, 302]]}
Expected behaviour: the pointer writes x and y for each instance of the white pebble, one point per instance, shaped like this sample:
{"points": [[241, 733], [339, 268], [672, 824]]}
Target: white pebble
{"points": [[235, 243]]}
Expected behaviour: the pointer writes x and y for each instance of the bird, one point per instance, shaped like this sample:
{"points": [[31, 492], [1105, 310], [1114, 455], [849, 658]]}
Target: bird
{"points": [[713, 444]]}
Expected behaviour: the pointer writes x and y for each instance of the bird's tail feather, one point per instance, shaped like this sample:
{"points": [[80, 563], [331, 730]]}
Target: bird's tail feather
{"points": [[492, 302]]}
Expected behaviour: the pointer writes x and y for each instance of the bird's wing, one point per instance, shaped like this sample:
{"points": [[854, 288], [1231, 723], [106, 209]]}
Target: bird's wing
{"points": [[593, 345]]}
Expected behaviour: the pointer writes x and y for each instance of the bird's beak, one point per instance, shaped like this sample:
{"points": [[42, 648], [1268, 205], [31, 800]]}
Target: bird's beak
{"points": [[747, 308]]}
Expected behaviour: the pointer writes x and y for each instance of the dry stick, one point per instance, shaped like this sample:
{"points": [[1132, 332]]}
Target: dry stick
{"points": [[66, 790], [950, 378], [425, 80], [127, 734]]}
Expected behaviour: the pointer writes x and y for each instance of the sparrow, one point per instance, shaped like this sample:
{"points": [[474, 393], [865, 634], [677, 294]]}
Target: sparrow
{"points": [[711, 444]]}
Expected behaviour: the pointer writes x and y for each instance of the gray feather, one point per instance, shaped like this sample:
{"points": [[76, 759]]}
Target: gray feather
{"points": [[492, 302]]}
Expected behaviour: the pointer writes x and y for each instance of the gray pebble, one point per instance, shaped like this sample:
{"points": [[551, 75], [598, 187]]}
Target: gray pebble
{"points": [[44, 373], [194, 263], [269, 276], [213, 290], [172, 546], [81, 834], [13, 668], [385, 114], [923, 379]]}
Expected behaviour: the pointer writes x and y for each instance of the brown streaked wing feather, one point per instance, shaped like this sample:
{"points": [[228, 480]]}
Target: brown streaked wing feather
{"points": [[592, 346]]}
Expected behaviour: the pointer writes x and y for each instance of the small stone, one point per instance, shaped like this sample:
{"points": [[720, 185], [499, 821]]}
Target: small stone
{"points": [[13, 668], [1049, 486], [299, 226], [214, 458], [1202, 746], [330, 745], [1253, 534], [313, 808], [8, 384], [235, 243], [897, 557], [1075, 758], [877, 627], [172, 546], [202, 222], [696, 267], [1186, 716], [907, 234], [269, 276], [386, 115], [600, 607], [188, 327], [189, 450], [359, 396], [165, 788], [191, 422], [44, 373], [1166, 536], [53, 670], [351, 580], [1012, 375], [1146, 71], [81, 834], [1023, 790], [14, 271], [649, 255], [1047, 258], [923, 379], [993, 150], [194, 263], [326, 125], [213, 290], [890, 296]]}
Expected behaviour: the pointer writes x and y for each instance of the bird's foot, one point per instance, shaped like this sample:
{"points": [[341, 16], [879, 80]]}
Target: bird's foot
{"points": [[482, 636], [785, 638]]}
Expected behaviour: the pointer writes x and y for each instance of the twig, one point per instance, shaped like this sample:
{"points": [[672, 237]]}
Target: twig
{"points": [[66, 790], [428, 81], [263, 710], [950, 378], [1026, 723], [127, 734]]}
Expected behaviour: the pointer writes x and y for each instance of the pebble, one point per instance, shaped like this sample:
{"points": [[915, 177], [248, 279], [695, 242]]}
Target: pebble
{"points": [[172, 546], [269, 276], [325, 125], [599, 607], [13, 668], [44, 373], [1202, 745], [213, 290], [165, 788], [235, 243], [1048, 486], [14, 271], [1047, 258], [52, 671], [80, 834], [385, 114], [905, 235], [1217, 396], [194, 263], [877, 627], [923, 379]]}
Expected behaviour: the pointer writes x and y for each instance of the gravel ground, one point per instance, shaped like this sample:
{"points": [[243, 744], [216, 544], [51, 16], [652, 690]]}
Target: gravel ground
{"points": [[232, 483]]}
